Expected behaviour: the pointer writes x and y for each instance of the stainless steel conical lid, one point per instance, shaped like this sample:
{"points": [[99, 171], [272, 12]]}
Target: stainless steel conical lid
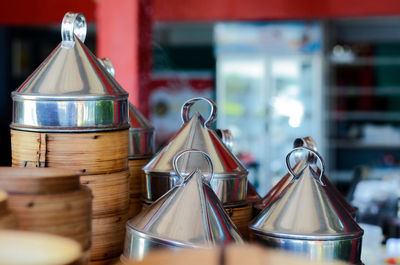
{"points": [[71, 90], [274, 193], [189, 215], [305, 211], [230, 176]]}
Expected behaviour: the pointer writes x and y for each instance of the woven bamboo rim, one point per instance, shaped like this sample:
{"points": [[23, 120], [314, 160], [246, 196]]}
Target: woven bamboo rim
{"points": [[38, 180], [108, 237], [66, 214], [241, 216], [136, 175], [87, 153], [110, 193], [22, 247]]}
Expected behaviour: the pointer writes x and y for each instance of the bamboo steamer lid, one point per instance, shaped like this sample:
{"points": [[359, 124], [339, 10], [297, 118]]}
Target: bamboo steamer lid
{"points": [[29, 248], [231, 255], [38, 180]]}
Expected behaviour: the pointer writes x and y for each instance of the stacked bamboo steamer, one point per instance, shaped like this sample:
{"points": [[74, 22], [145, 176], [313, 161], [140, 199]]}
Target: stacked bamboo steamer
{"points": [[7, 219], [49, 200], [230, 179], [141, 149], [71, 113], [33, 248]]}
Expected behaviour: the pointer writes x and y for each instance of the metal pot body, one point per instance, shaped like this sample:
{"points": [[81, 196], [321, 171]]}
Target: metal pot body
{"points": [[137, 244], [68, 115], [230, 189], [141, 143], [348, 250]]}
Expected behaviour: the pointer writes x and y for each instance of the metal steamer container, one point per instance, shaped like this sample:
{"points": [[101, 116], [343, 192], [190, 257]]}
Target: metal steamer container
{"points": [[141, 135], [188, 216], [275, 192], [306, 219], [71, 91], [230, 177]]}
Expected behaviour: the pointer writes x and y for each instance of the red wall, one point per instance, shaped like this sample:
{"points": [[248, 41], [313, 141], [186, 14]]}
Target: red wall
{"points": [[31, 12], [212, 10]]}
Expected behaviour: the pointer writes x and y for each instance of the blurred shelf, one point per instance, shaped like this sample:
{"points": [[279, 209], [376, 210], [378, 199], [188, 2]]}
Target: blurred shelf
{"points": [[364, 91], [357, 144], [365, 61], [366, 115]]}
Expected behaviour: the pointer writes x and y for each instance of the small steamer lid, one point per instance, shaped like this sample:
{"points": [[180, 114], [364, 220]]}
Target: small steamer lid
{"points": [[189, 214], [71, 90], [23, 247], [305, 210], [38, 180], [196, 134]]}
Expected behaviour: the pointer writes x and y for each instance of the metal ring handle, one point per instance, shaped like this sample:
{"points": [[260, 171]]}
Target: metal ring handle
{"points": [[73, 24], [307, 142], [107, 64], [314, 153], [185, 111], [180, 154]]}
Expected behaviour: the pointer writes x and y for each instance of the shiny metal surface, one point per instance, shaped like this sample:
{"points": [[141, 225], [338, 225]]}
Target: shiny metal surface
{"points": [[70, 90], [189, 215], [317, 250], [230, 178], [226, 137], [306, 219], [274, 193], [141, 135]]}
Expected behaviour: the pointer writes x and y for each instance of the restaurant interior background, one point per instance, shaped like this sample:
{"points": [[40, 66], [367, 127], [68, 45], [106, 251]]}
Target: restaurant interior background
{"points": [[277, 72]]}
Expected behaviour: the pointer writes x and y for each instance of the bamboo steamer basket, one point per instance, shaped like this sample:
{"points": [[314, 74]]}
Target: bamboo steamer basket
{"points": [[49, 200], [136, 175], [241, 216], [88, 153], [110, 192], [135, 206], [108, 237], [7, 219], [32, 248], [71, 113], [230, 255]]}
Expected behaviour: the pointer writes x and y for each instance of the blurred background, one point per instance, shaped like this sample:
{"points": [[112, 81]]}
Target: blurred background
{"points": [[277, 69]]}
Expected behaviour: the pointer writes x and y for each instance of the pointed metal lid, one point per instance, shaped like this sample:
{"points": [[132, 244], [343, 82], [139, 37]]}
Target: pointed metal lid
{"points": [[305, 211], [195, 134], [190, 214], [274, 193], [71, 90]]}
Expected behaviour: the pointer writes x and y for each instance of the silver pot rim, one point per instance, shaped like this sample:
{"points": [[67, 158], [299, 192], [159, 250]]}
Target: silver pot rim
{"points": [[344, 236]]}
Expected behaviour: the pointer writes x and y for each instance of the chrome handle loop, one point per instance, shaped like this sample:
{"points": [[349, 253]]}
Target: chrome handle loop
{"points": [[307, 142], [185, 111], [205, 155], [315, 153], [73, 24]]}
